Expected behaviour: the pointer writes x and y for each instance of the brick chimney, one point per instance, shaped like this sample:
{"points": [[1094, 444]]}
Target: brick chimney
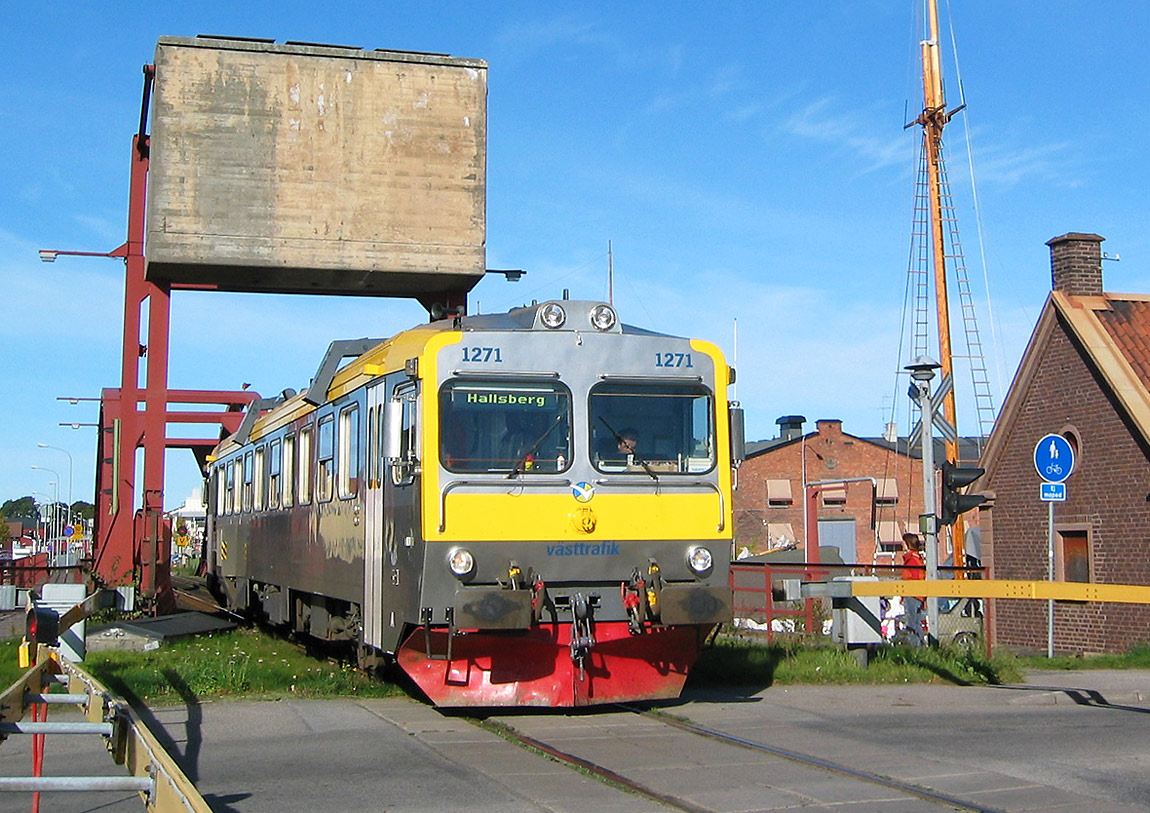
{"points": [[1076, 264]]}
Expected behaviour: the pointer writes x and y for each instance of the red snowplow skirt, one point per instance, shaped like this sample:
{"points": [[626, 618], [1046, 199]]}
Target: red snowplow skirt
{"points": [[534, 667]]}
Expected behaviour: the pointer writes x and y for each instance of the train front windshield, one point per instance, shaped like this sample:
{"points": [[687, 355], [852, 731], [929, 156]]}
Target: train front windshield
{"points": [[652, 428], [499, 426]]}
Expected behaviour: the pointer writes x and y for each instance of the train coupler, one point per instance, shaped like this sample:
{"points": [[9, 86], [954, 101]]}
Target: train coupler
{"points": [[582, 632]]}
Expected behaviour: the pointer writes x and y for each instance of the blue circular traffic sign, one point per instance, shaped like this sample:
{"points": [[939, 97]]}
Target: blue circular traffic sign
{"points": [[1054, 458]]}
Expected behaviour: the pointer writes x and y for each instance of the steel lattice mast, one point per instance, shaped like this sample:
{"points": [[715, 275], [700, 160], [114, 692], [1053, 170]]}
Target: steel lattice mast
{"points": [[936, 227]]}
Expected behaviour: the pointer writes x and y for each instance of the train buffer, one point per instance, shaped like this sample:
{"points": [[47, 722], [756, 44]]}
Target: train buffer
{"points": [[53, 681]]}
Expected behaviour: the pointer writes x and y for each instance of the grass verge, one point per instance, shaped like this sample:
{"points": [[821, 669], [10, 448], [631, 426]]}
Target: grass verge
{"points": [[243, 663], [741, 661], [1137, 657], [247, 663]]}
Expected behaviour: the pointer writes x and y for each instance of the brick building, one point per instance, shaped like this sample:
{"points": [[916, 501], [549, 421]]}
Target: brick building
{"points": [[1085, 375], [769, 502]]}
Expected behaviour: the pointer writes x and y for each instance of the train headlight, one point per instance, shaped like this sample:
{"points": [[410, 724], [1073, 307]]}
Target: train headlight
{"points": [[700, 561], [552, 315], [461, 562], [603, 317]]}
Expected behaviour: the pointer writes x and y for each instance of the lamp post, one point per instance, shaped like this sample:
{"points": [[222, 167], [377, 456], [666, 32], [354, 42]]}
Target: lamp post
{"points": [[58, 449], [56, 483]]}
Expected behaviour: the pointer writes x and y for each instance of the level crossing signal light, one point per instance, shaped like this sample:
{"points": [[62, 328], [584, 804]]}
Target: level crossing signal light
{"points": [[42, 626], [954, 502]]}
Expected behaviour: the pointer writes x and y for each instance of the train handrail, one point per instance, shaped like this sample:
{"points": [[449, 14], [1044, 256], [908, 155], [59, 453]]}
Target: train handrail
{"points": [[502, 482]]}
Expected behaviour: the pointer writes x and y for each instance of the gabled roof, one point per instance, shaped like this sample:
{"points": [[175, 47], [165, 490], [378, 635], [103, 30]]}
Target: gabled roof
{"points": [[1114, 331]]}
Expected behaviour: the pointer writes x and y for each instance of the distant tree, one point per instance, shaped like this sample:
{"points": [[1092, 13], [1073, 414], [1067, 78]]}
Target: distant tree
{"points": [[83, 511], [23, 510]]}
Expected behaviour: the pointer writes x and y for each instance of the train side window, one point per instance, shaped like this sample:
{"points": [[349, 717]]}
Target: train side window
{"points": [[325, 458], [289, 471], [221, 490], [275, 461], [372, 465], [404, 465], [234, 490], [258, 479], [249, 466], [347, 465], [303, 481]]}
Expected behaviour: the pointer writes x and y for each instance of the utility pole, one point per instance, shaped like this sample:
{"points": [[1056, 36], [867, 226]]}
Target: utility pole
{"points": [[922, 372]]}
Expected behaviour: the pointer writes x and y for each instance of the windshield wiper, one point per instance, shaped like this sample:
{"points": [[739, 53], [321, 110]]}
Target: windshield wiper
{"points": [[638, 459], [534, 448]]}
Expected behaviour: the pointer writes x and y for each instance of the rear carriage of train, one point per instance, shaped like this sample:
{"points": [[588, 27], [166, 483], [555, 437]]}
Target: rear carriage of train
{"points": [[541, 511]]}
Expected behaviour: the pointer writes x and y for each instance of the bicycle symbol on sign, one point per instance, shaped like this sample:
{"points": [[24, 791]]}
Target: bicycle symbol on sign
{"points": [[1054, 458]]}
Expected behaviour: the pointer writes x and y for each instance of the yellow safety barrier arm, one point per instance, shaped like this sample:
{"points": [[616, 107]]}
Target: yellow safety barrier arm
{"points": [[997, 588]]}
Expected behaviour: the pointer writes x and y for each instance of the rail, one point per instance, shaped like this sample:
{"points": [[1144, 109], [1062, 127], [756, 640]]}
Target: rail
{"points": [[152, 772]]}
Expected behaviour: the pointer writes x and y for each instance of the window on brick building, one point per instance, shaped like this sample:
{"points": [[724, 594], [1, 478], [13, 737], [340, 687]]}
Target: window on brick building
{"points": [[1072, 555], [780, 534], [779, 494], [886, 491], [889, 533], [835, 495]]}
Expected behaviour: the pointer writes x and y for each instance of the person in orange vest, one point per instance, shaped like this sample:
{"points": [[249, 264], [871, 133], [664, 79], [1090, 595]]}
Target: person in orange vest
{"points": [[913, 567]]}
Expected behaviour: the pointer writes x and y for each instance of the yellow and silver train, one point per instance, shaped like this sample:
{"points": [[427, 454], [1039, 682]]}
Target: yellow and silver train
{"points": [[529, 508]]}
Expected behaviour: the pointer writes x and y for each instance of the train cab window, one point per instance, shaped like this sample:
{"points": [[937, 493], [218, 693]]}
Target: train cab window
{"points": [[288, 474], [502, 426], [248, 467], [325, 458], [303, 480], [259, 485], [275, 462], [652, 428], [347, 466]]}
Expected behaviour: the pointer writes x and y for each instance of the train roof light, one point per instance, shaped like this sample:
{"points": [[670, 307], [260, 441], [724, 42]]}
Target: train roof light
{"points": [[603, 317], [552, 315]]}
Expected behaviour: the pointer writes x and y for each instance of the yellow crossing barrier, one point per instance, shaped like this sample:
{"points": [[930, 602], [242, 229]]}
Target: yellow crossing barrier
{"points": [[997, 588]]}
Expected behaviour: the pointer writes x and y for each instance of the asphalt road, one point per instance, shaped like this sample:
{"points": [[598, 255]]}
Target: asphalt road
{"points": [[1065, 741]]}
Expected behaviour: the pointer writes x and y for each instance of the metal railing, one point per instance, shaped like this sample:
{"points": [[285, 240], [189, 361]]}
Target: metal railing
{"points": [[54, 681]]}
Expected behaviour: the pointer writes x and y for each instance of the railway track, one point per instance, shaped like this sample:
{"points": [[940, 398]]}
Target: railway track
{"points": [[669, 742]]}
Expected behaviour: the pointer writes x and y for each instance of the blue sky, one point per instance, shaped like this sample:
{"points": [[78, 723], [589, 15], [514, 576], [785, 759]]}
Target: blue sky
{"points": [[747, 161]]}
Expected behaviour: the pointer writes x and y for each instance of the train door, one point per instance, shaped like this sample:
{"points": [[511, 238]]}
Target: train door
{"points": [[373, 552], [402, 538]]}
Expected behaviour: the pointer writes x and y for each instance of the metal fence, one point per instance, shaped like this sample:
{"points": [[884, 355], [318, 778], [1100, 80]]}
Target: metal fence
{"points": [[760, 602]]}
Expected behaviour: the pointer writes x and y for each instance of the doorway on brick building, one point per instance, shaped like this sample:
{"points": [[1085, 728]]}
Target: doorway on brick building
{"points": [[840, 532]]}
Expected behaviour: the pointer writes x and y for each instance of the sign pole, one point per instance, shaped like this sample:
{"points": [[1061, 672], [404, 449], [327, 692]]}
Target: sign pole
{"points": [[1054, 462], [1050, 577]]}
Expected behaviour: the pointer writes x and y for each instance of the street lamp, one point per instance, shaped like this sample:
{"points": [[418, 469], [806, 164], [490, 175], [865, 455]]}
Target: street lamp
{"points": [[56, 483], [58, 449], [922, 371]]}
